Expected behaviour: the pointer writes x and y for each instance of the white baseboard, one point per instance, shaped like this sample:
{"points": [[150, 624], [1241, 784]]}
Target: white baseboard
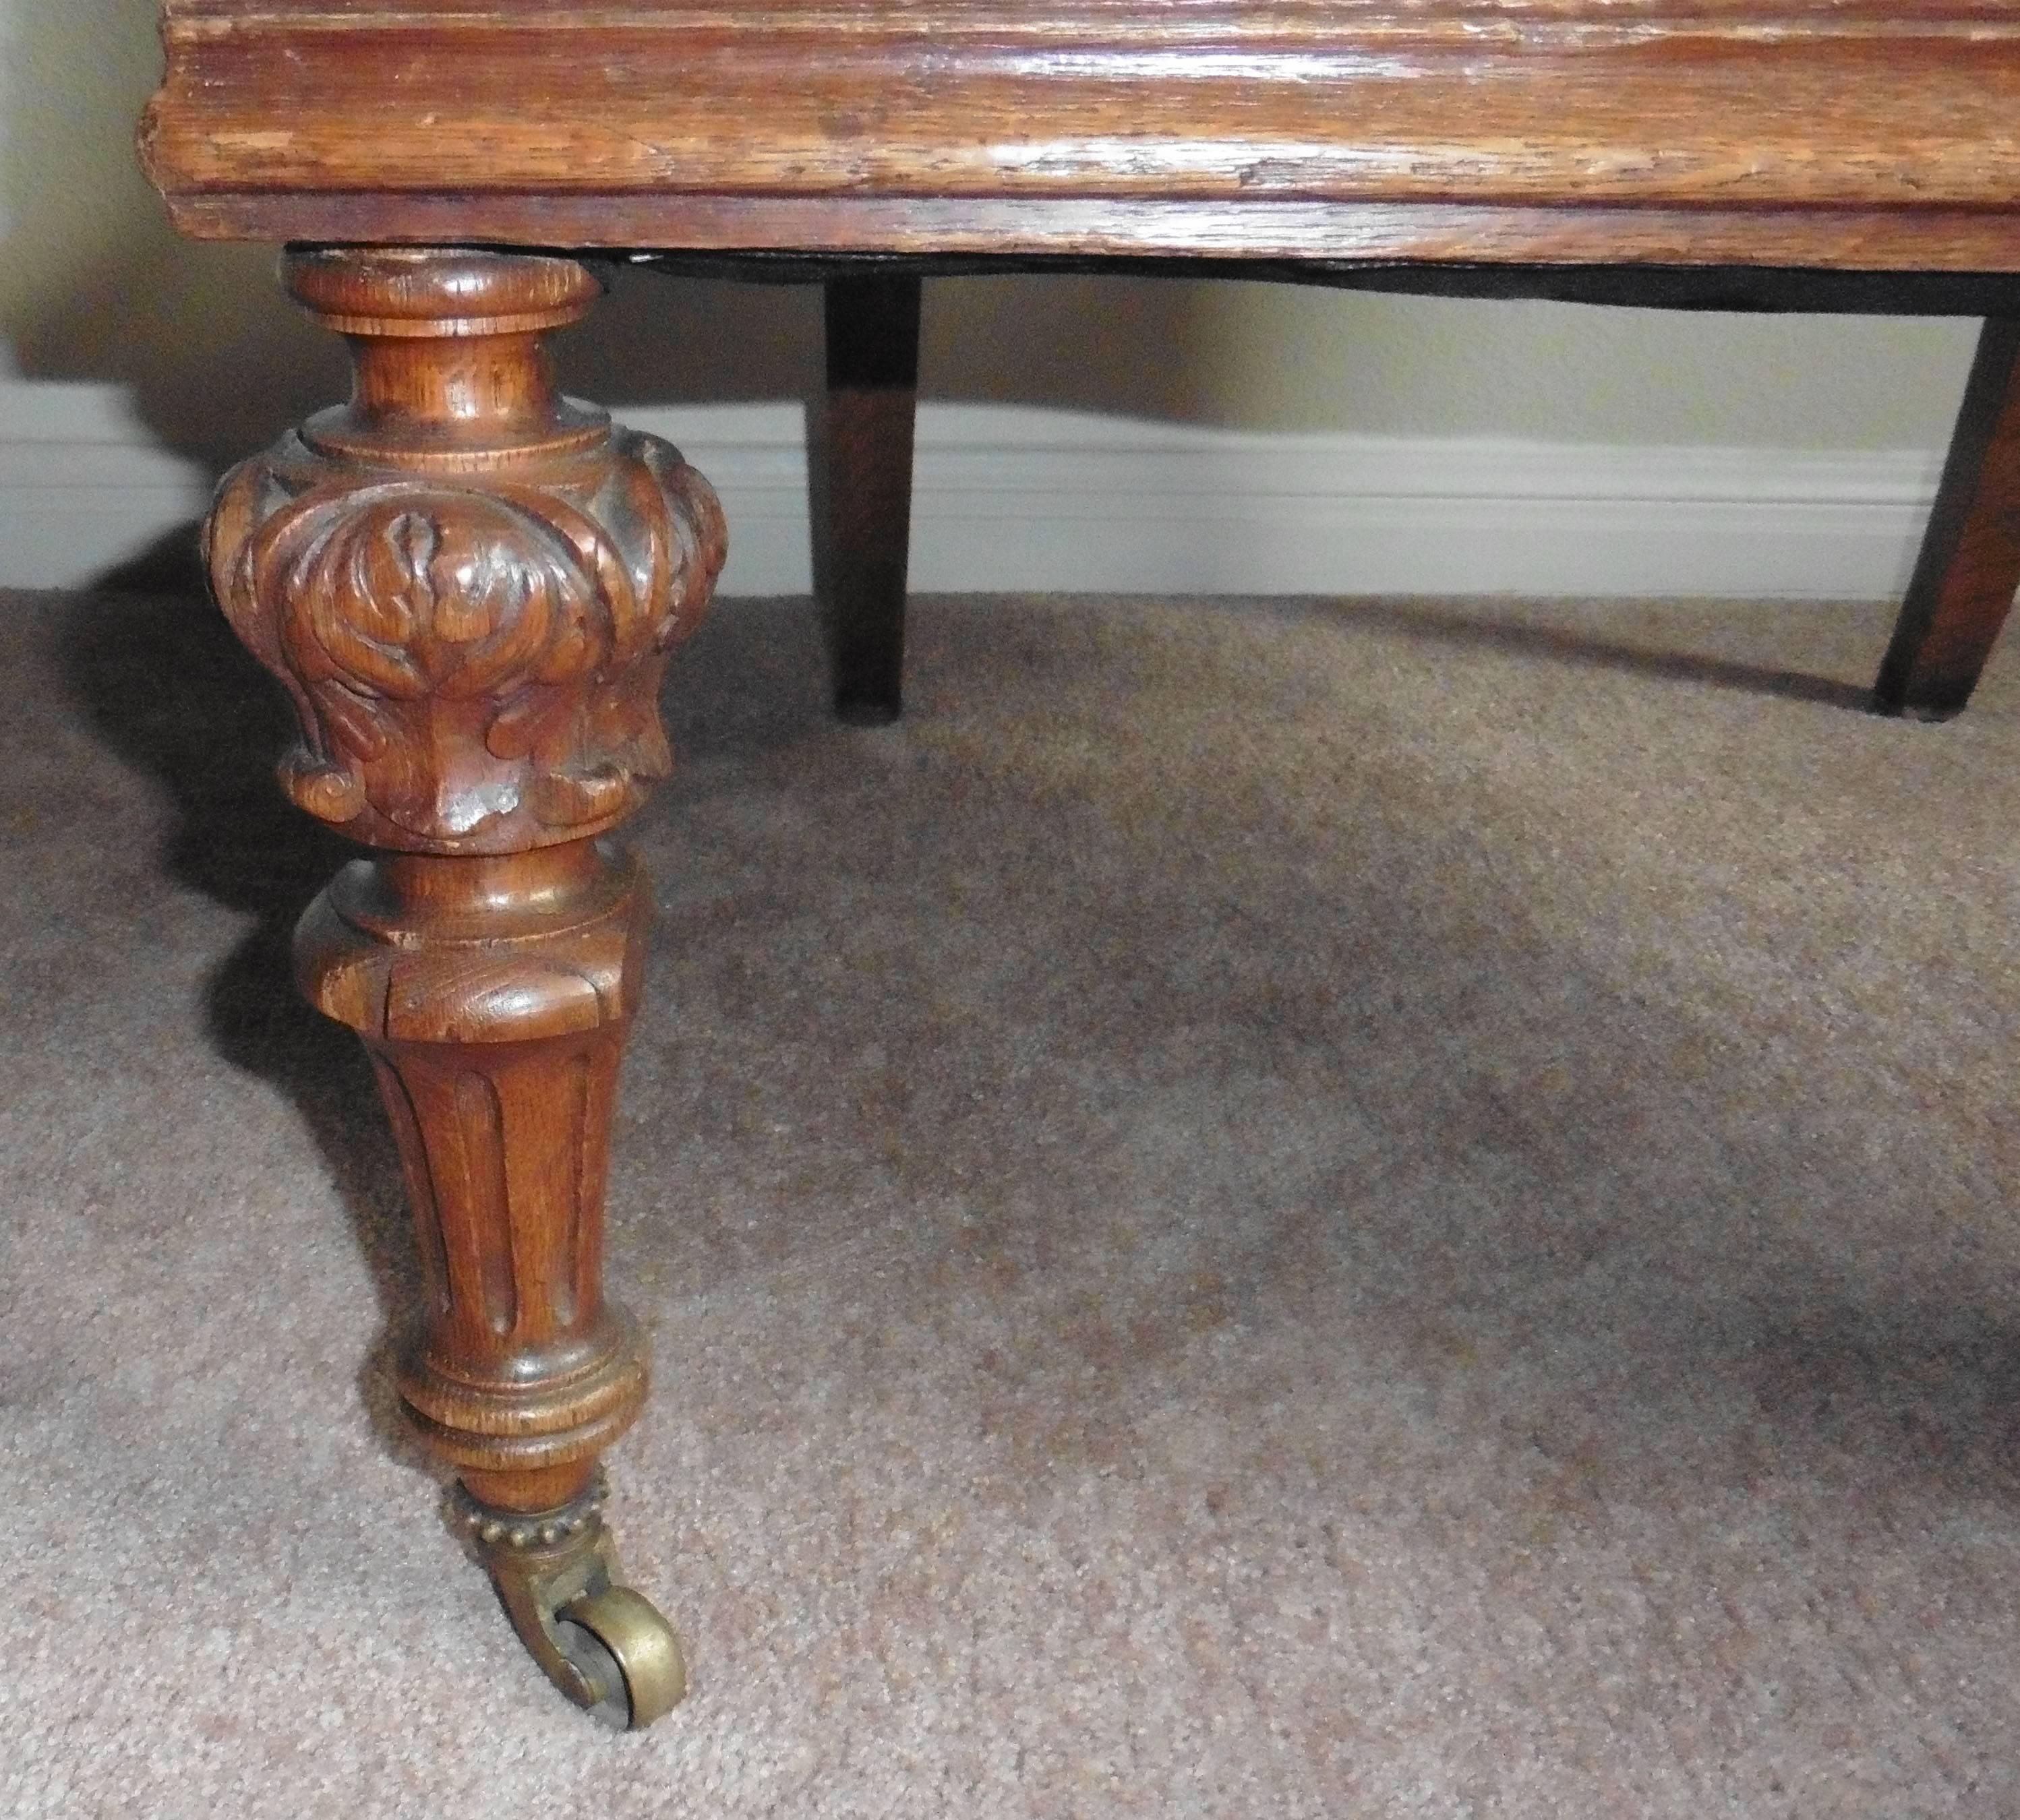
{"points": [[1015, 498], [83, 484]]}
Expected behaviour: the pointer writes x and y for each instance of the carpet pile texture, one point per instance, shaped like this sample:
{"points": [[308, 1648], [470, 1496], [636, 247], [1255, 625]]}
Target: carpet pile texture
{"points": [[1265, 1209]]}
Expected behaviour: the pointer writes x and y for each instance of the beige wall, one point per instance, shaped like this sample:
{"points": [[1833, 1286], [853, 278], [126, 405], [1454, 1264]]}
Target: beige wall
{"points": [[93, 286]]}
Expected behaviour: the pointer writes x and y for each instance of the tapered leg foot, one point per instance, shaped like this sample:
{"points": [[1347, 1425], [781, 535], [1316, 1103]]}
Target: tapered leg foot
{"points": [[471, 586], [1969, 568], [872, 378]]}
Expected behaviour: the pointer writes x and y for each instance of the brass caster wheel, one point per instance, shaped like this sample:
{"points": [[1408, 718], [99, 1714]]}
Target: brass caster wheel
{"points": [[604, 1646], [620, 1642]]}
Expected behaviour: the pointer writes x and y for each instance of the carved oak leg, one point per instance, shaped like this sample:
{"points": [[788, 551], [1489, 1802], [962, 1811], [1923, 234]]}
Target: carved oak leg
{"points": [[1969, 566], [469, 586]]}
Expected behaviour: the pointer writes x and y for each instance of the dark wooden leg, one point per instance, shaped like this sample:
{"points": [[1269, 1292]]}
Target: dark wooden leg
{"points": [[873, 381], [1969, 568], [469, 586]]}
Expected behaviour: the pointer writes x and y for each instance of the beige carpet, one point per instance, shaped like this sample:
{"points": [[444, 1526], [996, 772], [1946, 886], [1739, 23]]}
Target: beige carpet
{"points": [[1266, 1210]]}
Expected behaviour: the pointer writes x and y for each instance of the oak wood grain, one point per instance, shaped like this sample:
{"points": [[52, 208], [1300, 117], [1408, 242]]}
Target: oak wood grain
{"points": [[1803, 131]]}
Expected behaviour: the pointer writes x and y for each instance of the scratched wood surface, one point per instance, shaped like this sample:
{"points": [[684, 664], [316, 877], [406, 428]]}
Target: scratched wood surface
{"points": [[1833, 132]]}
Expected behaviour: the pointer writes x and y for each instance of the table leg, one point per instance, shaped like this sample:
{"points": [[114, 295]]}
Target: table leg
{"points": [[1969, 568], [469, 586], [873, 380]]}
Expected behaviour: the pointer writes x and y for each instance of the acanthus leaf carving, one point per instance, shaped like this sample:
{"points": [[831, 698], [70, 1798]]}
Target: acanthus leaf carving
{"points": [[475, 661]]}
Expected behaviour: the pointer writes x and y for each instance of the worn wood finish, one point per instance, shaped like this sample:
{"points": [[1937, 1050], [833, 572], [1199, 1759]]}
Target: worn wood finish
{"points": [[469, 586], [872, 378], [1969, 568], [1840, 131]]}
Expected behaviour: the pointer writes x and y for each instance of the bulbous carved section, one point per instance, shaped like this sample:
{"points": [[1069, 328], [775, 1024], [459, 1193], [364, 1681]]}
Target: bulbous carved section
{"points": [[475, 661]]}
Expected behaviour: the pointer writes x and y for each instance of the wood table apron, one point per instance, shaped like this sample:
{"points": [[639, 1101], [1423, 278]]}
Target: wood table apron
{"points": [[470, 585]]}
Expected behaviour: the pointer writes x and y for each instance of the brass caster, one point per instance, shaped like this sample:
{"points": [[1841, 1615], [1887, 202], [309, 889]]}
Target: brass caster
{"points": [[621, 1630], [604, 1645]]}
